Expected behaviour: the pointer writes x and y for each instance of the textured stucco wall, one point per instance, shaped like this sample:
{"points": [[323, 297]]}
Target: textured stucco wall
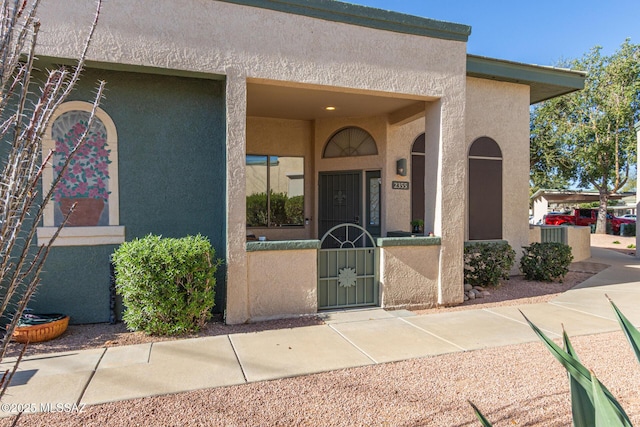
{"points": [[409, 276], [501, 111], [242, 42], [211, 36], [579, 238], [401, 140], [171, 166], [282, 283], [534, 235], [237, 309]]}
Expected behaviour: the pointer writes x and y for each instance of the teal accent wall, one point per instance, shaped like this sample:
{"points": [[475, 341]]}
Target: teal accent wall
{"points": [[172, 181], [75, 281]]}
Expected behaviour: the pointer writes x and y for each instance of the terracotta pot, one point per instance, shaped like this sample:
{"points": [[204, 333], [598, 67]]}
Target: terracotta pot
{"points": [[42, 332], [86, 213]]}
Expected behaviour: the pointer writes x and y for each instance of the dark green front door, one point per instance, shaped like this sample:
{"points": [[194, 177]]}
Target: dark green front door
{"points": [[340, 199]]}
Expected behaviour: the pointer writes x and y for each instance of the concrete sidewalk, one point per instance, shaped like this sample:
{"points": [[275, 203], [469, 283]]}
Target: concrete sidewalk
{"points": [[348, 339]]}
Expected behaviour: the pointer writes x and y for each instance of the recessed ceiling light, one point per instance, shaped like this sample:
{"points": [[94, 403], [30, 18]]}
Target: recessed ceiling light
{"points": [[330, 108]]}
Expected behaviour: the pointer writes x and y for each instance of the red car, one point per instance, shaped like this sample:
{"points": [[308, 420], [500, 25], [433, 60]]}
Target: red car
{"points": [[585, 217]]}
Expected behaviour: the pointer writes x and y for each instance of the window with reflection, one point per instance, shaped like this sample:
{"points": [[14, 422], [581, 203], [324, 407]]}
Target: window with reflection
{"points": [[275, 191]]}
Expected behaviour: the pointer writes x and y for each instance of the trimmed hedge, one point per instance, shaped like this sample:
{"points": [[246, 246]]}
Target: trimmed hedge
{"points": [[284, 210], [167, 285], [485, 263], [546, 261]]}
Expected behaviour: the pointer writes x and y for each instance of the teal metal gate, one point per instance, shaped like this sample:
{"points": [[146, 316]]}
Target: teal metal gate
{"points": [[347, 270]]}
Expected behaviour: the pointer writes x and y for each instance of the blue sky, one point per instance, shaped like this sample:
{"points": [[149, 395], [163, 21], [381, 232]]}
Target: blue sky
{"points": [[535, 32]]}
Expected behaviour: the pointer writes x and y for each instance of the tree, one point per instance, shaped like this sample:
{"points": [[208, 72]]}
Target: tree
{"points": [[26, 109], [587, 137]]}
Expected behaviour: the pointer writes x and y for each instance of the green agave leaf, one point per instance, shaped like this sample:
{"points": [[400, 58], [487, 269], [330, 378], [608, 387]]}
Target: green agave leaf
{"points": [[632, 334], [584, 414], [606, 413], [575, 368], [481, 417]]}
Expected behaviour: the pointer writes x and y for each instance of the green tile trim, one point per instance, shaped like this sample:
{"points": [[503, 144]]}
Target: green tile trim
{"points": [[492, 242], [637, 127], [336, 11], [408, 241], [283, 245]]}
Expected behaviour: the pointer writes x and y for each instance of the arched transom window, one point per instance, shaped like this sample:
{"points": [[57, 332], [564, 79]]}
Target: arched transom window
{"points": [[351, 141]]}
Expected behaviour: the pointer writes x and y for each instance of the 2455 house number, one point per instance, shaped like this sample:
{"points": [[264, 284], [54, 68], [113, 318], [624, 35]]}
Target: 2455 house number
{"points": [[399, 185]]}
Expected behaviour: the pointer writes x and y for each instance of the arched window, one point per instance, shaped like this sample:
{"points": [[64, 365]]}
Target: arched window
{"points": [[90, 180], [351, 141], [417, 178], [485, 190]]}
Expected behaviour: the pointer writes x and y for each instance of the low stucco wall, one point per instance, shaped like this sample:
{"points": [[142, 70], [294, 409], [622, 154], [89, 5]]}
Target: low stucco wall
{"points": [[534, 235], [282, 279], [409, 273], [579, 238]]}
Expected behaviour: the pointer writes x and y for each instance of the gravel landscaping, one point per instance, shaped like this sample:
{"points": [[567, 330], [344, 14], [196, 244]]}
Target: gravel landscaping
{"points": [[516, 385]]}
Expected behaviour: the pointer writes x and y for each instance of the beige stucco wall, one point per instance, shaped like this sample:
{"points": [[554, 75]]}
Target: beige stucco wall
{"points": [[241, 42], [401, 139], [500, 111], [282, 283], [285, 138], [409, 276], [534, 235], [579, 238]]}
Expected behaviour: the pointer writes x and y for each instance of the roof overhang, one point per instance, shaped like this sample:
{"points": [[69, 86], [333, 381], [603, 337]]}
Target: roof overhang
{"points": [[545, 82], [556, 196]]}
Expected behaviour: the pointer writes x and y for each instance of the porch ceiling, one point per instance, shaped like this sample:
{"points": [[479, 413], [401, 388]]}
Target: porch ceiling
{"points": [[308, 103]]}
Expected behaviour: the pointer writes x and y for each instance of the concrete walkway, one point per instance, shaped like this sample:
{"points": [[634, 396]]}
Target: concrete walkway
{"points": [[348, 339]]}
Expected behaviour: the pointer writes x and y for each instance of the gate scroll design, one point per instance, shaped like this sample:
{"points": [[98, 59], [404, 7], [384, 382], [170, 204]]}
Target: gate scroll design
{"points": [[347, 268]]}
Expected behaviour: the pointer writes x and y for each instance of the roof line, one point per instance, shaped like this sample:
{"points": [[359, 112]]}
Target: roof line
{"points": [[549, 82], [347, 13]]}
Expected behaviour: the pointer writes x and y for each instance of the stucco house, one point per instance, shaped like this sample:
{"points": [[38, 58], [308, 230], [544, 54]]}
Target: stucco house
{"points": [[318, 127]]}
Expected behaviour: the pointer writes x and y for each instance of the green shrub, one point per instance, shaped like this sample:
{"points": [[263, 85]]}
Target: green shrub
{"points": [[486, 263], [628, 229], [546, 261], [283, 210], [167, 285], [257, 210], [277, 208], [294, 208]]}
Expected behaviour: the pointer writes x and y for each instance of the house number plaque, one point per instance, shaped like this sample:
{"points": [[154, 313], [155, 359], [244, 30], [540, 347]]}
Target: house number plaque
{"points": [[399, 185]]}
